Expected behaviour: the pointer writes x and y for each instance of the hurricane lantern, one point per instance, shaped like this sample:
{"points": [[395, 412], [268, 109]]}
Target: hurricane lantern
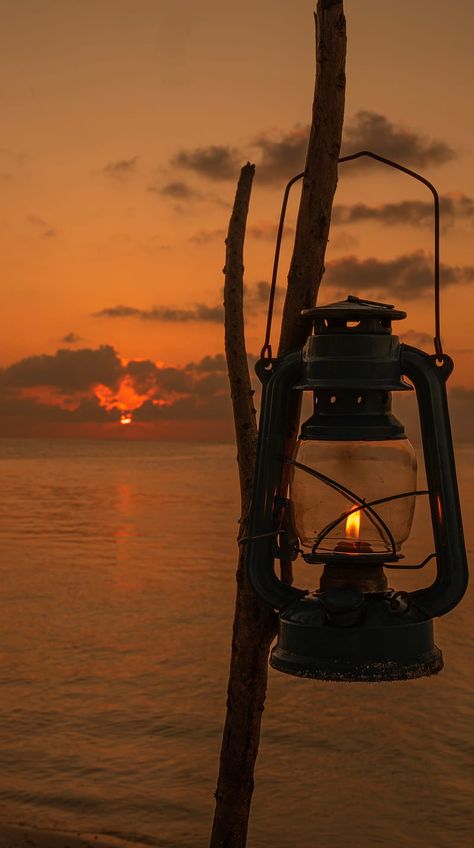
{"points": [[345, 500]]}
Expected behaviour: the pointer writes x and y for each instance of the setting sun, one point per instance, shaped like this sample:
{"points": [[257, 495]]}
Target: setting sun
{"points": [[126, 418]]}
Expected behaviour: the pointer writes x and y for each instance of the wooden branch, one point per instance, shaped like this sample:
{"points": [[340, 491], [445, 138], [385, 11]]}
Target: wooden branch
{"points": [[254, 622], [240, 386], [319, 186], [320, 181]]}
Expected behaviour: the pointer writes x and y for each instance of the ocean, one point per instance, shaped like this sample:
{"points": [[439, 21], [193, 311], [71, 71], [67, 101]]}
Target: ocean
{"points": [[117, 591]]}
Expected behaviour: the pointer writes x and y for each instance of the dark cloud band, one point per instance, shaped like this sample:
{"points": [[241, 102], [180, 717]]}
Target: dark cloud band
{"points": [[70, 382], [196, 392], [372, 131], [216, 162], [415, 213], [176, 190], [121, 168], [410, 275], [200, 312], [282, 155], [66, 370]]}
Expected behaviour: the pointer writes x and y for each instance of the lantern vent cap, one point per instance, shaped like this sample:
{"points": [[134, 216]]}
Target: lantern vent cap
{"points": [[354, 309]]}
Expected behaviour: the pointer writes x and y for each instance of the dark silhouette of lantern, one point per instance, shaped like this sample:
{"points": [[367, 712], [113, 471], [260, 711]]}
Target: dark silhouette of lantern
{"points": [[345, 500]]}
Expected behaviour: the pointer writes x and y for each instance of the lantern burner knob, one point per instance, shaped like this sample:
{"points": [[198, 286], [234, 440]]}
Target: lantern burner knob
{"points": [[343, 606]]}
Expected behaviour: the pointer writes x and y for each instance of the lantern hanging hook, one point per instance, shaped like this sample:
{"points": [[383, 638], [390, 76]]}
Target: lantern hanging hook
{"points": [[266, 352]]}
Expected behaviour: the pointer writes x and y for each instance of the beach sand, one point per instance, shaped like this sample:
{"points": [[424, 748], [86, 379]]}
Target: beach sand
{"points": [[20, 836]]}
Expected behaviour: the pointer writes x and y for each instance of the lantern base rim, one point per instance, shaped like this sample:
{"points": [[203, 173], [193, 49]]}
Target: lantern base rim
{"points": [[375, 671], [344, 635]]}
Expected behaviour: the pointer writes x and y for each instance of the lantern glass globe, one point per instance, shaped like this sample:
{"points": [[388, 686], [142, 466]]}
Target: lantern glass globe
{"points": [[372, 470]]}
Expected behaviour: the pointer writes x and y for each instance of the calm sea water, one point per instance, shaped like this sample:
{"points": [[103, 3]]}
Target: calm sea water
{"points": [[117, 583]]}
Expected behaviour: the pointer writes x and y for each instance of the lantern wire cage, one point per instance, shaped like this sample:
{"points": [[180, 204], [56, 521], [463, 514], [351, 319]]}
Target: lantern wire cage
{"points": [[319, 554]]}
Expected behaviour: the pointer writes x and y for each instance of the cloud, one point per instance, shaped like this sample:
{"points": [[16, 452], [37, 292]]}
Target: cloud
{"points": [[258, 294], [148, 378], [197, 391], [461, 411], [415, 213], [89, 410], [11, 161], [217, 362], [47, 231], [267, 231], [121, 169], [425, 342], [410, 275], [177, 190], [217, 162], [96, 387], [66, 370], [71, 338], [417, 339], [261, 231], [13, 157], [77, 372], [372, 131], [142, 373], [33, 412], [120, 311], [254, 296], [342, 240], [199, 312], [283, 156], [194, 407], [208, 236], [209, 363]]}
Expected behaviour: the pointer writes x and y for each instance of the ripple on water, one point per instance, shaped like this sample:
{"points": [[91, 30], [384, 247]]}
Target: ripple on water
{"points": [[116, 624]]}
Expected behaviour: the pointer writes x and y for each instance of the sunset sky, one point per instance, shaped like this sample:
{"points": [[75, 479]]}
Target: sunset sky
{"points": [[124, 126]]}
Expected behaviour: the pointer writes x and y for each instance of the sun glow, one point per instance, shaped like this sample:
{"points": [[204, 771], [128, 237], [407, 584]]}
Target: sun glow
{"points": [[353, 525], [125, 398]]}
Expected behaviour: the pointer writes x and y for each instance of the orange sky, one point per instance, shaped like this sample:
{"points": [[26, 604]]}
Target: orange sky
{"points": [[123, 127]]}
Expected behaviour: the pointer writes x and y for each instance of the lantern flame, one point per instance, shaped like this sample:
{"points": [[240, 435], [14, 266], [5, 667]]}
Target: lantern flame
{"points": [[353, 525]]}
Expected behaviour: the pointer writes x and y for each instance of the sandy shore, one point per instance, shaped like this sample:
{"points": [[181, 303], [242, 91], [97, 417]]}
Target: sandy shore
{"points": [[19, 836]]}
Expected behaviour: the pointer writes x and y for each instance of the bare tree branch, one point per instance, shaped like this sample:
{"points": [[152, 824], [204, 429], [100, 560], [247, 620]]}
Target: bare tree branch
{"points": [[240, 386], [320, 181], [255, 622], [319, 186]]}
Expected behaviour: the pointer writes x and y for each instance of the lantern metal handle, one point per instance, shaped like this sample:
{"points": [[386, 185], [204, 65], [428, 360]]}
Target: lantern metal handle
{"points": [[277, 380], [429, 379], [266, 351]]}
